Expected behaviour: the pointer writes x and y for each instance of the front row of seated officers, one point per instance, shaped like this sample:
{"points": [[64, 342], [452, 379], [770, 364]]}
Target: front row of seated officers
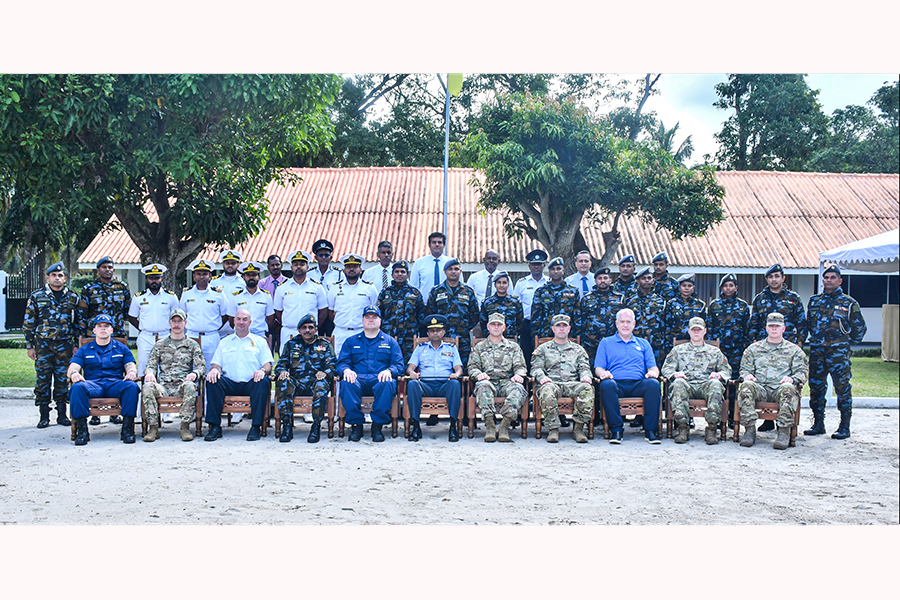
{"points": [[371, 361]]}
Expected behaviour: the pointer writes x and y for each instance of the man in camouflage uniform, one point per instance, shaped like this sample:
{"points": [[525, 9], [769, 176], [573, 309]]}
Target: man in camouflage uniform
{"points": [[497, 367], [777, 298], [179, 362], [772, 370], [456, 301], [49, 330], [560, 368], [696, 370], [501, 302], [665, 285], [649, 313], [727, 318], [403, 308], [626, 282], [835, 322], [597, 313], [681, 309], [305, 367], [555, 298]]}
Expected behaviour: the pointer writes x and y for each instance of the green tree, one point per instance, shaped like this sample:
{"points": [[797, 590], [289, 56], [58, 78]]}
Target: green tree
{"points": [[778, 123], [665, 139], [547, 164], [199, 149]]}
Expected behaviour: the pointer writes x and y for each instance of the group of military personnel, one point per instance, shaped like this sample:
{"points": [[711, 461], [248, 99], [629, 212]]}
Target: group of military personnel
{"points": [[292, 316]]}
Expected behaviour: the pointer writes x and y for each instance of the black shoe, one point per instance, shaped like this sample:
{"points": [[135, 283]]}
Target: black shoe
{"points": [[287, 428], [730, 423], [843, 431], [818, 427], [415, 431], [127, 434], [356, 432], [45, 416], [95, 420], [377, 436], [454, 434], [638, 422], [691, 423], [215, 432], [254, 434], [615, 437], [766, 426], [315, 431], [563, 421], [115, 419], [652, 437], [432, 421], [81, 432], [61, 418]]}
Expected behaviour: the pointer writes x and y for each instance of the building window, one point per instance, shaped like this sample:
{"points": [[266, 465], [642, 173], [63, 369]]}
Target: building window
{"points": [[871, 291]]}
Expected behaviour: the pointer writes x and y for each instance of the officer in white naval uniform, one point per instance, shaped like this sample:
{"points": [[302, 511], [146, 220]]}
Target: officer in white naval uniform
{"points": [[228, 282], [298, 296], [253, 299], [205, 308], [347, 298], [149, 312]]}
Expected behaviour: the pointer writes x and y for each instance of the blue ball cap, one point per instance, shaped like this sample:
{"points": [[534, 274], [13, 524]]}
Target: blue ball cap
{"points": [[102, 319], [371, 310]]}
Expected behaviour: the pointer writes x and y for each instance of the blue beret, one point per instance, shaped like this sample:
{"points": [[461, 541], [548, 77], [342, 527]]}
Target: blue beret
{"points": [[642, 272], [625, 259], [686, 277], [451, 263], [833, 269], [776, 268], [371, 310], [556, 262], [728, 277], [401, 264], [499, 274], [307, 318], [601, 271], [105, 259], [57, 266], [661, 256]]}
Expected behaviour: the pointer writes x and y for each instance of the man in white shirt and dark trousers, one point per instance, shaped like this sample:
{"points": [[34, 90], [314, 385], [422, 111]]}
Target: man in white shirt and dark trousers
{"points": [[483, 281], [428, 270], [381, 274], [582, 279]]}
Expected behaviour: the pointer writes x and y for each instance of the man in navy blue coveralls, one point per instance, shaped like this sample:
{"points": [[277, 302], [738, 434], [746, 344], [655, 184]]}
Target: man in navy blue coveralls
{"points": [[369, 363], [103, 360]]}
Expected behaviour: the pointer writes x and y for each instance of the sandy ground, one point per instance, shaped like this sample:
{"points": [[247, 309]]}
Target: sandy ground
{"points": [[46, 480]]}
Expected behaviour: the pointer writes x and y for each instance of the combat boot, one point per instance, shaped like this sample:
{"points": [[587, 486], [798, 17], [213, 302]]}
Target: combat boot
{"points": [[490, 430], [81, 432], [287, 427], [61, 418], [453, 436], [684, 431], [315, 431], [152, 433], [186, 435], [45, 416], [356, 432], [503, 434], [377, 435], [117, 419], [712, 435], [553, 436], [95, 420], [749, 437], [843, 431], [784, 438], [415, 430], [127, 434], [578, 433], [818, 427]]}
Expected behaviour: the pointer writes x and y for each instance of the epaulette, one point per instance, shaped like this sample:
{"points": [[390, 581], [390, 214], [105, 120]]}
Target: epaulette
{"points": [[215, 289], [237, 291], [216, 277], [364, 281], [311, 279], [144, 292]]}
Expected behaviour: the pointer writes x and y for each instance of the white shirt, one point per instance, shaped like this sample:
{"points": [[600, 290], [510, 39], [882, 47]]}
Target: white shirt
{"points": [[374, 275], [328, 279], [240, 357], [575, 281], [204, 309], [478, 282], [259, 305], [348, 301], [525, 289], [152, 310], [299, 299], [422, 276]]}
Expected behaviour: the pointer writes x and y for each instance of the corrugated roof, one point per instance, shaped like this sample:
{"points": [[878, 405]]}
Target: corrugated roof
{"points": [[770, 217]]}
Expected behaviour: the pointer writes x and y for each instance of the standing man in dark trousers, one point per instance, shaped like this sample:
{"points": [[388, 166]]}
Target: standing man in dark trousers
{"points": [[49, 329], [665, 285], [835, 322], [626, 282], [325, 274], [556, 297], [728, 318], [456, 301], [524, 291], [403, 309]]}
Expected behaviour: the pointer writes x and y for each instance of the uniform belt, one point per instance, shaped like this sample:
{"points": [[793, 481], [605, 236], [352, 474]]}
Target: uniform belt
{"points": [[215, 331], [154, 332], [349, 328]]}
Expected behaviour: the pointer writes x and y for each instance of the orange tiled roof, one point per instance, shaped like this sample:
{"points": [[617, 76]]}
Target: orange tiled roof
{"points": [[770, 217]]}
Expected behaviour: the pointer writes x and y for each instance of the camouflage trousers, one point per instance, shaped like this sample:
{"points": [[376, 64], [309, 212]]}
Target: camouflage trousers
{"points": [[305, 386], [52, 360], [486, 391], [549, 393], [152, 392], [836, 361], [785, 395], [712, 390]]}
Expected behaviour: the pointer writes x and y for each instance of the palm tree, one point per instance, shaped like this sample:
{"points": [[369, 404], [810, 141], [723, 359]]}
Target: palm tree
{"points": [[665, 138]]}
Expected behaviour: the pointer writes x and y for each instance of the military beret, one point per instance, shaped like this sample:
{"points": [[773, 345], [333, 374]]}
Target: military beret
{"points": [[301, 255], [499, 274], [556, 262], [105, 259], [103, 319], [352, 259], [436, 321], [496, 318], [251, 267], [625, 259], [642, 272], [371, 310], [662, 256], [154, 269], [775, 317], [231, 255], [322, 244], [833, 269], [401, 264], [686, 277], [696, 323], [601, 271], [57, 266], [200, 265], [177, 312], [776, 268], [728, 277], [536, 256], [557, 319], [307, 318], [451, 263]]}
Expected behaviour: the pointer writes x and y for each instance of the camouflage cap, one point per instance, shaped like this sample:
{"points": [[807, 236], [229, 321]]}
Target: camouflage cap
{"points": [[696, 323], [775, 317], [557, 319], [496, 318], [177, 312]]}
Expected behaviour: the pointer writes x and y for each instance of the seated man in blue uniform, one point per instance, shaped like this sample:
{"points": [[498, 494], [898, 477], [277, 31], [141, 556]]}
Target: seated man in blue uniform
{"points": [[103, 360], [240, 367], [626, 367], [369, 363], [439, 369]]}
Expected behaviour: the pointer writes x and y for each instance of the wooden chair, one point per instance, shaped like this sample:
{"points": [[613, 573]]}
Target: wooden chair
{"points": [[627, 406], [768, 411], [241, 404], [566, 404], [172, 404], [472, 405], [365, 405], [432, 405], [303, 404], [99, 407], [696, 407]]}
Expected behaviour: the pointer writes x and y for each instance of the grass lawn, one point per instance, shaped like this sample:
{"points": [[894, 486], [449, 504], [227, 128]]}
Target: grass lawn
{"points": [[16, 369]]}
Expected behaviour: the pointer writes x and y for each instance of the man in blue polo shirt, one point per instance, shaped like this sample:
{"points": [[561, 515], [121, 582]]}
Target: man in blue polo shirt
{"points": [[434, 370], [626, 367], [103, 360]]}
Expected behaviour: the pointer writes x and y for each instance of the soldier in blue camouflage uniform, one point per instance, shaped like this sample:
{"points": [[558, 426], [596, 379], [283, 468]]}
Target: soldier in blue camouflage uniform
{"points": [[458, 302], [727, 320], [305, 367], [681, 309], [777, 298], [597, 313], [49, 330], [835, 322], [554, 298], [626, 282], [403, 308], [649, 313], [501, 302], [665, 285]]}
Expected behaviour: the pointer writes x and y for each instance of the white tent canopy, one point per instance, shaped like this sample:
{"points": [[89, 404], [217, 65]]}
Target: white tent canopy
{"points": [[879, 253]]}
